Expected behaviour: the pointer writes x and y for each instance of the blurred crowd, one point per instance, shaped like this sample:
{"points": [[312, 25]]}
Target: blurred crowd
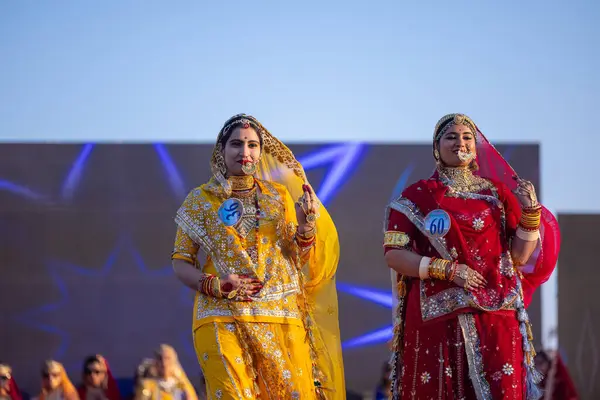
{"points": [[160, 376]]}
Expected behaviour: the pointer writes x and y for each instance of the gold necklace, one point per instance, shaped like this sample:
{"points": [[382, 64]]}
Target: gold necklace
{"points": [[242, 182], [249, 219], [462, 180]]}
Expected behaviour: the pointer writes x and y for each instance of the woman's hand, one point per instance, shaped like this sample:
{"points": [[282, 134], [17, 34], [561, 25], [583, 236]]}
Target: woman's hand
{"points": [[306, 209], [240, 287], [525, 193], [468, 278]]}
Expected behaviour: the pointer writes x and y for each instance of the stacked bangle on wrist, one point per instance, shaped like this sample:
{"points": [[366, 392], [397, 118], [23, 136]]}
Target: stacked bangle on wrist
{"points": [[307, 238], [531, 218], [529, 225], [210, 285], [437, 268]]}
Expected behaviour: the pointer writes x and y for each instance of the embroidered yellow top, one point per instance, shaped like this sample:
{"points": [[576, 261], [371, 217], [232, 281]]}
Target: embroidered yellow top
{"points": [[269, 253]]}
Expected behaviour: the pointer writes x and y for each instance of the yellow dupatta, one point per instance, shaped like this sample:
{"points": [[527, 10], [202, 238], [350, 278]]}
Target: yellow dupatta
{"points": [[278, 164]]}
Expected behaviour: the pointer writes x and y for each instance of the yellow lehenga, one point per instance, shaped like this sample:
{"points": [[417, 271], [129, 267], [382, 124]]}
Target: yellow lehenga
{"points": [[285, 344]]}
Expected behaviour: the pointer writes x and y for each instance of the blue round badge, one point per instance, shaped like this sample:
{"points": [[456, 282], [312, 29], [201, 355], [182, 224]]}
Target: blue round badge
{"points": [[231, 211], [437, 223]]}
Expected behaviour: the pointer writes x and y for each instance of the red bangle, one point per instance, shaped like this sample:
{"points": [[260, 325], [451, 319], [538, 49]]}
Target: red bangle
{"points": [[453, 268]]}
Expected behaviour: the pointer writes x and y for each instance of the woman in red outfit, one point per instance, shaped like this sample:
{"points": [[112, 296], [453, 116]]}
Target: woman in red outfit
{"points": [[456, 243], [8, 387], [557, 383], [98, 381]]}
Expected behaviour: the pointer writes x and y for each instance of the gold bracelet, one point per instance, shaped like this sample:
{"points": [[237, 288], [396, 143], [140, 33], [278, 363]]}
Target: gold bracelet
{"points": [[437, 268], [308, 234], [216, 287]]}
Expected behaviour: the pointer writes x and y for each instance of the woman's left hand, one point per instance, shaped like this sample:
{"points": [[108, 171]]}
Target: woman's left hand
{"points": [[525, 193], [306, 208]]}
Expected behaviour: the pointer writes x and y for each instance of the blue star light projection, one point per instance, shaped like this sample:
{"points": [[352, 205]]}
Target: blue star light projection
{"points": [[340, 161], [56, 317], [105, 294]]}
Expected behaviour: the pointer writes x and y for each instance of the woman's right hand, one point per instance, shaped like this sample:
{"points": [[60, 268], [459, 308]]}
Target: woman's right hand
{"points": [[468, 278], [240, 287]]}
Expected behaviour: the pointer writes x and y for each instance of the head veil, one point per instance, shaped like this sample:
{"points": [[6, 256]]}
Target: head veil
{"points": [[66, 385], [491, 165], [110, 384], [179, 372], [278, 164], [13, 390]]}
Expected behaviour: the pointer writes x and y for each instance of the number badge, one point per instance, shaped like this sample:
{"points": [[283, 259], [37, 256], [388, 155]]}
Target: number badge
{"points": [[231, 211], [437, 223]]}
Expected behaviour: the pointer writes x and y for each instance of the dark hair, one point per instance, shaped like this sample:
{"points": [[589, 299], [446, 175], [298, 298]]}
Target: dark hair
{"points": [[232, 124], [90, 360], [473, 166], [543, 355]]}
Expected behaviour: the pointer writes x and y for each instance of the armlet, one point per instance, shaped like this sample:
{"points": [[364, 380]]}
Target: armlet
{"points": [[396, 239]]}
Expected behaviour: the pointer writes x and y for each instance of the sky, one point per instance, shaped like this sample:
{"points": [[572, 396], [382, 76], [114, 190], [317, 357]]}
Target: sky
{"points": [[311, 71]]}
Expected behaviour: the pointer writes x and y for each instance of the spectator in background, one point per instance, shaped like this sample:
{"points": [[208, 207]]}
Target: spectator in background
{"points": [[8, 386], [98, 382], [384, 387], [557, 383], [170, 381], [56, 385]]}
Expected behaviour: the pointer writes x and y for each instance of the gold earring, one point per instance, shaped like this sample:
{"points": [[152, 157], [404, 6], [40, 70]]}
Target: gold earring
{"points": [[436, 155]]}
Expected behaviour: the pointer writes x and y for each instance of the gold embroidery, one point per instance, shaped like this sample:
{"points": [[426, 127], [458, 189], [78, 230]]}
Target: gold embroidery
{"points": [[264, 253], [462, 180], [395, 239], [184, 248], [243, 182]]}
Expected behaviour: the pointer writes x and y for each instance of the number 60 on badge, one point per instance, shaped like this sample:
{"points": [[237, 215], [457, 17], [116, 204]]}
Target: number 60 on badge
{"points": [[437, 223]]}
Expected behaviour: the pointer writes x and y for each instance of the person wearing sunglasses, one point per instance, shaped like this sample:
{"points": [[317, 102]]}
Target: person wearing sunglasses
{"points": [[8, 386], [56, 385], [98, 382]]}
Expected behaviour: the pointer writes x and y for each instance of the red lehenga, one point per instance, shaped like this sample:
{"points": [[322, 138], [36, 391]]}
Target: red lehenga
{"points": [[450, 343]]}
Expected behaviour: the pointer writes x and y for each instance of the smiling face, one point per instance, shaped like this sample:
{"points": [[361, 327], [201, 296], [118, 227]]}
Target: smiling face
{"points": [[457, 146], [242, 146]]}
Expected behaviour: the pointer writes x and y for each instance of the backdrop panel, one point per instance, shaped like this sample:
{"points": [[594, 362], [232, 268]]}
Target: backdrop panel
{"points": [[86, 233], [578, 306]]}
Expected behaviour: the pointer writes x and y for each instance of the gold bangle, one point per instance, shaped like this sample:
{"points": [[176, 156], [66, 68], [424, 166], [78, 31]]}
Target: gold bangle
{"points": [[437, 268], [216, 289], [308, 234]]}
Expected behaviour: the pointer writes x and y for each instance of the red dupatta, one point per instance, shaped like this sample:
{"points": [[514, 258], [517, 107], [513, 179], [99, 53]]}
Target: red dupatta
{"points": [[13, 390], [541, 265], [111, 390]]}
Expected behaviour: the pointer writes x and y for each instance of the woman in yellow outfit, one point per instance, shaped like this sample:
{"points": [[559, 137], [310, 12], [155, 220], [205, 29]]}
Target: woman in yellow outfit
{"points": [[169, 382], [263, 266]]}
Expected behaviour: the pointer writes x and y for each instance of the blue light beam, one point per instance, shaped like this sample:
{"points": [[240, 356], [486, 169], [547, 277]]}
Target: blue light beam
{"points": [[381, 297], [173, 174], [377, 296], [74, 176], [402, 181], [20, 190], [375, 337], [344, 158]]}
